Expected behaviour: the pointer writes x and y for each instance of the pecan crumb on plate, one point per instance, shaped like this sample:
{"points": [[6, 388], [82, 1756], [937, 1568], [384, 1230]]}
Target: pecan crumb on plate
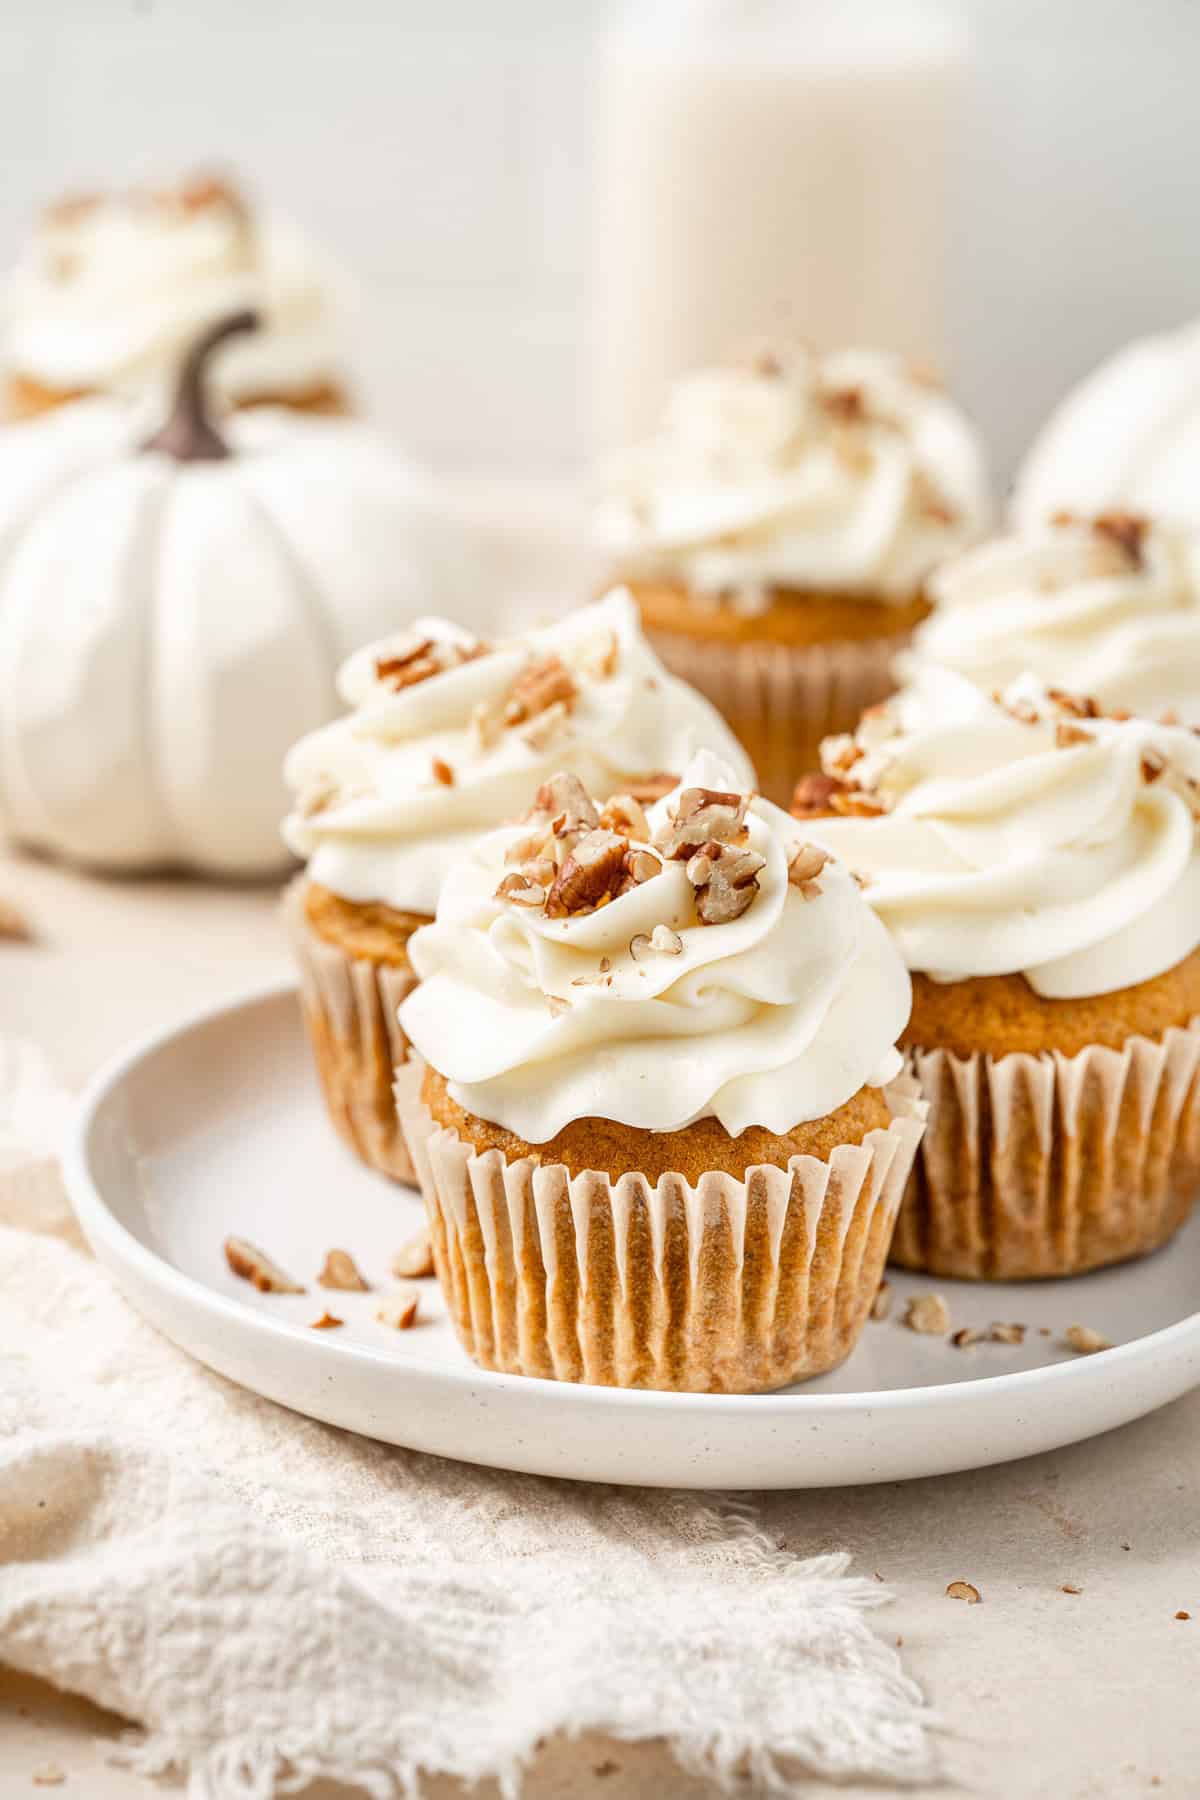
{"points": [[339, 1270], [964, 1590], [254, 1265], [927, 1313]]}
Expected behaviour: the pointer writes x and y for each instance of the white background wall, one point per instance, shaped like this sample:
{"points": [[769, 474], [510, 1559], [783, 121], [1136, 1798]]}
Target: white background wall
{"points": [[441, 148]]}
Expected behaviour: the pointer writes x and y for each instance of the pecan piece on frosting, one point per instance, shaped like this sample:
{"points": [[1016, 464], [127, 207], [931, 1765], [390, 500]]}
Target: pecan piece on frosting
{"points": [[806, 864], [541, 684], [592, 873], [813, 798], [623, 813], [1126, 530], [521, 890], [703, 815], [730, 882], [655, 786]]}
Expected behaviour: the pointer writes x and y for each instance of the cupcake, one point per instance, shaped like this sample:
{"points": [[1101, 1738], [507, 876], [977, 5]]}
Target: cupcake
{"points": [[1109, 606], [779, 532], [1127, 438], [447, 737], [651, 1117], [1036, 863], [112, 288]]}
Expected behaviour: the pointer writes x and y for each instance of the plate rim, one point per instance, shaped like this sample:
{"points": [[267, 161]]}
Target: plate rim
{"points": [[99, 1221]]}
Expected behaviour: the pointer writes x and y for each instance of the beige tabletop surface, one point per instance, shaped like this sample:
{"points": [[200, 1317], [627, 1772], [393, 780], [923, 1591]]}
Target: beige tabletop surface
{"points": [[1044, 1695]]}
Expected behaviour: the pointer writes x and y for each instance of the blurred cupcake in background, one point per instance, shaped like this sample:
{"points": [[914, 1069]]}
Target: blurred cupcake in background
{"points": [[112, 287], [1108, 606], [1127, 438], [779, 532], [1037, 865], [658, 1131], [447, 737]]}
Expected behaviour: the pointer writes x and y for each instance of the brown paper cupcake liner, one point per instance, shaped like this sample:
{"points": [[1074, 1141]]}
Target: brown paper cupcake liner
{"points": [[728, 1286], [350, 1006], [780, 700], [1052, 1165]]}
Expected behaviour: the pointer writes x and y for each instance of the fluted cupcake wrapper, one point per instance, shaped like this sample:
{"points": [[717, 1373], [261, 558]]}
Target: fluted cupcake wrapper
{"points": [[1052, 1165], [350, 1010], [780, 700], [732, 1286]]}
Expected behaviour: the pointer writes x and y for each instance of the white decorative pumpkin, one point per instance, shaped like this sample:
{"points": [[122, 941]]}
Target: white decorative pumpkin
{"points": [[173, 611]]}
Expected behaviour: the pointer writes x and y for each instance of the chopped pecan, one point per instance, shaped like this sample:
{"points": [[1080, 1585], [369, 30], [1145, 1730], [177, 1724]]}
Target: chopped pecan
{"points": [[327, 1322], [541, 684], [14, 926], [443, 774], [839, 753], [662, 940], [703, 815], [963, 1590], [731, 884], [640, 865], [1000, 1333], [1084, 1340], [654, 786], [564, 804], [412, 663], [1125, 529], [927, 1313], [1153, 765], [1068, 737], [254, 1265], [813, 798], [807, 862], [625, 814], [399, 1310], [591, 874], [414, 1260], [854, 803], [846, 405], [340, 1270], [520, 890]]}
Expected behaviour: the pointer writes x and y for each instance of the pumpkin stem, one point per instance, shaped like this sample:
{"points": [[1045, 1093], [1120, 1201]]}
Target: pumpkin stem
{"points": [[189, 435]]}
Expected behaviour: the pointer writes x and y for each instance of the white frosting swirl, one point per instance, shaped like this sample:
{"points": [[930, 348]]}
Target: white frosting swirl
{"points": [[1127, 436], [110, 292], [1034, 847], [841, 472], [390, 828], [771, 1019], [1079, 610]]}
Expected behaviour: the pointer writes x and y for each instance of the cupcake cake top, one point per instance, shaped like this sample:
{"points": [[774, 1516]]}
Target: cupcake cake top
{"points": [[847, 473], [448, 735], [1128, 436], [1024, 832], [653, 966], [1109, 606], [112, 288]]}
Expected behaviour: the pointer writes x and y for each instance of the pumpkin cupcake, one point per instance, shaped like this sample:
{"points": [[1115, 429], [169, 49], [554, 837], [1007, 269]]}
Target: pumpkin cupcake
{"points": [[1036, 862], [779, 532], [446, 738], [652, 1126], [1108, 606], [112, 288]]}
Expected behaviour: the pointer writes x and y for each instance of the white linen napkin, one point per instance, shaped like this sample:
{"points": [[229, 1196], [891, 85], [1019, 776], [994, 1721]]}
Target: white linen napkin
{"points": [[274, 1600]]}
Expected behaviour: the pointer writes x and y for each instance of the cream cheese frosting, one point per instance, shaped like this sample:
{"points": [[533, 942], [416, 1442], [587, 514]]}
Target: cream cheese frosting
{"points": [[1024, 834], [845, 472], [1109, 607], [1127, 436], [111, 290], [639, 1013], [391, 794]]}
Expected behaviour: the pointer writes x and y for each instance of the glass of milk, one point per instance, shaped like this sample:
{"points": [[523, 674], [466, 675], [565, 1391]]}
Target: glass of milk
{"points": [[766, 166]]}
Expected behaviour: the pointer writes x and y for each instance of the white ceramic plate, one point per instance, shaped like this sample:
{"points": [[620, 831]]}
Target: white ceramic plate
{"points": [[216, 1127]]}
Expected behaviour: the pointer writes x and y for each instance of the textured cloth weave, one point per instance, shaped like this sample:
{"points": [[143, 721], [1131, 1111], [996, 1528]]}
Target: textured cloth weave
{"points": [[271, 1599]]}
